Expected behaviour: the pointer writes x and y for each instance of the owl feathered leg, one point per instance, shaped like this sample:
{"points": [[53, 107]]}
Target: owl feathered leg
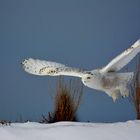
{"points": [[114, 94], [124, 91]]}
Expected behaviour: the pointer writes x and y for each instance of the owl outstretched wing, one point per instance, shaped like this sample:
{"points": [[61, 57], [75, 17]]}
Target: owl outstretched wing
{"points": [[124, 58], [42, 67]]}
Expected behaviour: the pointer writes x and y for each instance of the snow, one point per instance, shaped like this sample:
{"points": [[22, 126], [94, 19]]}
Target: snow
{"points": [[71, 131]]}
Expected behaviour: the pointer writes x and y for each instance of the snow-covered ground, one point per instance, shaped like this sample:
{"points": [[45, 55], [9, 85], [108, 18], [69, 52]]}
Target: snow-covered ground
{"points": [[129, 130]]}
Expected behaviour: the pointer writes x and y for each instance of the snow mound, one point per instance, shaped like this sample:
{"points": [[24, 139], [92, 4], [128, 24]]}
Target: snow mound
{"points": [[71, 131]]}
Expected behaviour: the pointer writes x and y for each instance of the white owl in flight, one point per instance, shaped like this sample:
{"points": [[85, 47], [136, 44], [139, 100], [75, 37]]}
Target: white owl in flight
{"points": [[105, 79]]}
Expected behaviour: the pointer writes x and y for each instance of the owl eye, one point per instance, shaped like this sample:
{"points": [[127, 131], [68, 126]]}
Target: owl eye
{"points": [[88, 77]]}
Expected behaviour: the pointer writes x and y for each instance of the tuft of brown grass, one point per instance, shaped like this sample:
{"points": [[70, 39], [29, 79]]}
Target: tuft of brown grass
{"points": [[66, 101], [135, 90]]}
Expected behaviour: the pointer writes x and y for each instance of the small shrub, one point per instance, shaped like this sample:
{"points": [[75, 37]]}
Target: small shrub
{"points": [[66, 101], [135, 90], [4, 122]]}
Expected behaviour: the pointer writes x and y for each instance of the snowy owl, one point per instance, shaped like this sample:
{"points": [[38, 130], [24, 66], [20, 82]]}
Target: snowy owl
{"points": [[105, 79]]}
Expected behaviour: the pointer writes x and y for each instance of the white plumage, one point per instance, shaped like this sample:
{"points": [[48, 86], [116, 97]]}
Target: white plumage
{"points": [[105, 79]]}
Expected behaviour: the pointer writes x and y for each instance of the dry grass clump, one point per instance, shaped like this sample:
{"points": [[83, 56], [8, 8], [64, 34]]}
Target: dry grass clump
{"points": [[66, 101], [135, 90], [4, 122]]}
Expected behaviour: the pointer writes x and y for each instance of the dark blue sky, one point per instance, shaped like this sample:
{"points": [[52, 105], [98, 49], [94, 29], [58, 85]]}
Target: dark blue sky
{"points": [[79, 33]]}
